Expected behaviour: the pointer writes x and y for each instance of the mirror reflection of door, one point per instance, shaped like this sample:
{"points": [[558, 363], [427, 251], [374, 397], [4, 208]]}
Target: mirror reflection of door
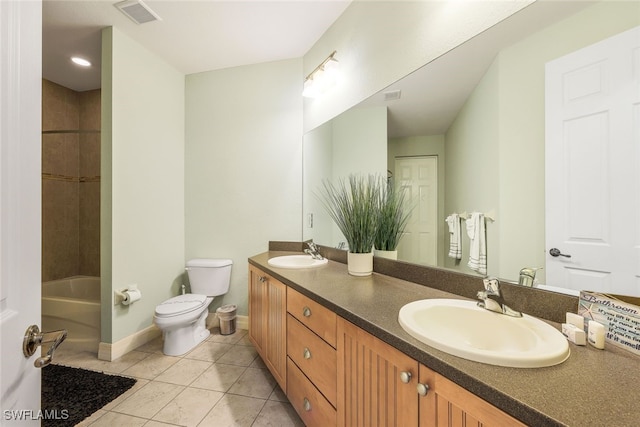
{"points": [[418, 176], [593, 164]]}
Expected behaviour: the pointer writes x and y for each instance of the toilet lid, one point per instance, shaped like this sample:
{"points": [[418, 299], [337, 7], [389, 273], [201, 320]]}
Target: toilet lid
{"points": [[181, 304]]}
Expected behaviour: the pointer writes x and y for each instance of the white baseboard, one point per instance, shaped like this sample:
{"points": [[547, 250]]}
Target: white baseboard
{"points": [[242, 322], [110, 352]]}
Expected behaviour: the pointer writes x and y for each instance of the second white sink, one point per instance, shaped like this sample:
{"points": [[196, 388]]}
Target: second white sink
{"points": [[465, 330], [296, 261]]}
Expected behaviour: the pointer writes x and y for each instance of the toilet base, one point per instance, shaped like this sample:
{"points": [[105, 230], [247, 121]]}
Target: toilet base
{"points": [[182, 340]]}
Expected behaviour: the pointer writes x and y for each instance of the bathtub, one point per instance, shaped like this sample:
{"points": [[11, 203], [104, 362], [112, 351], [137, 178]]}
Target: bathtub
{"points": [[73, 304]]}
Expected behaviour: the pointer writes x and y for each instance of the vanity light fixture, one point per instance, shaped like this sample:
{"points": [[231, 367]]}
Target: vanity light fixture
{"points": [[80, 61], [322, 78]]}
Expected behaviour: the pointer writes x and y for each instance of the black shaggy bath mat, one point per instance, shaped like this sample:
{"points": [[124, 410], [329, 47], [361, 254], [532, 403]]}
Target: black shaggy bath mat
{"points": [[69, 395]]}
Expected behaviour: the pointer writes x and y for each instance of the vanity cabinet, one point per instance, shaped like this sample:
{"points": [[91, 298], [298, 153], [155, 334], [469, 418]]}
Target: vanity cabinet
{"points": [[379, 385], [376, 382], [337, 374], [448, 404], [268, 322], [311, 358]]}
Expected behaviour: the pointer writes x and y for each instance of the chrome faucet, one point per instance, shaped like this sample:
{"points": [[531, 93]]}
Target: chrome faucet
{"points": [[491, 298], [313, 251], [527, 276]]}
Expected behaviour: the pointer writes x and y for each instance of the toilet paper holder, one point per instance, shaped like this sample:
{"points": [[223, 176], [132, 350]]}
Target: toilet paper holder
{"points": [[128, 295]]}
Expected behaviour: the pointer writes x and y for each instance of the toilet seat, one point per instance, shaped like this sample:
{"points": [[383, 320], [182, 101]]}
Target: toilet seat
{"points": [[182, 304]]}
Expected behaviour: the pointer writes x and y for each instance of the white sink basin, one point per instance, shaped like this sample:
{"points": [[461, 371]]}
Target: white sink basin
{"points": [[296, 261], [465, 330]]}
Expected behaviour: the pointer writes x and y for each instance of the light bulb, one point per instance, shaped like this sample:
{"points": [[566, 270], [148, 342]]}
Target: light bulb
{"points": [[80, 61]]}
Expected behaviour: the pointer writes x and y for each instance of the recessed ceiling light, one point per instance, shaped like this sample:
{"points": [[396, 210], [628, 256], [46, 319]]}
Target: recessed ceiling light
{"points": [[80, 61]]}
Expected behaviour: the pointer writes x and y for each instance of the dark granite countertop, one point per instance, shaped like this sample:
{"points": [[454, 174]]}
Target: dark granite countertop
{"points": [[592, 388]]}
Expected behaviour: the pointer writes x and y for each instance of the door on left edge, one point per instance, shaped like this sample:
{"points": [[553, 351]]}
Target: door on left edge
{"points": [[20, 207]]}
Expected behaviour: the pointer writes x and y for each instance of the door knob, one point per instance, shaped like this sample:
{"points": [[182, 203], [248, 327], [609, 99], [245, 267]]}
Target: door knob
{"points": [[306, 404], [423, 389], [555, 252], [33, 338]]}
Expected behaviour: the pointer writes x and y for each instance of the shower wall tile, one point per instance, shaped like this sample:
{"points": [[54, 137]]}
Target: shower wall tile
{"points": [[71, 182], [60, 205], [60, 107], [89, 114], [89, 230], [59, 229], [60, 154], [89, 154]]}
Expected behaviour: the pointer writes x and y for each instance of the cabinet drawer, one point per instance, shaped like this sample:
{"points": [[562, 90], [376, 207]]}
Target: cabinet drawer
{"points": [[314, 357], [310, 404], [319, 319]]}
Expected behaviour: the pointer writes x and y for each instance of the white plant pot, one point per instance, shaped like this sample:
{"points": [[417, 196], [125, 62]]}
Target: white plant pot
{"points": [[386, 254], [360, 264]]}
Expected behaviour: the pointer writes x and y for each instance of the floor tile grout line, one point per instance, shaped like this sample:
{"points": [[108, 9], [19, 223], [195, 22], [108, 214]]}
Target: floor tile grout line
{"points": [[239, 344]]}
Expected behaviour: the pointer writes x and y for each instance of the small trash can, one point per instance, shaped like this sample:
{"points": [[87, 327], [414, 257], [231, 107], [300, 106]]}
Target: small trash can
{"points": [[227, 316]]}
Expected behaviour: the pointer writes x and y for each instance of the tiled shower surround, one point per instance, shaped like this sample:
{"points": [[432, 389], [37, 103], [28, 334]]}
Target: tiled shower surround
{"points": [[70, 182]]}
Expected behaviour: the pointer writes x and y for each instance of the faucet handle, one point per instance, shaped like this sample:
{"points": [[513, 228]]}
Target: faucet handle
{"points": [[491, 286], [313, 250], [528, 276]]}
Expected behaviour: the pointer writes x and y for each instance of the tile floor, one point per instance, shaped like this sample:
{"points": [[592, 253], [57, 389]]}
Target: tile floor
{"points": [[222, 382]]}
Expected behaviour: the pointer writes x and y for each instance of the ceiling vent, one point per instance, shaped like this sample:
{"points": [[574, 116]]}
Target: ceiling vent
{"points": [[392, 95], [137, 11]]}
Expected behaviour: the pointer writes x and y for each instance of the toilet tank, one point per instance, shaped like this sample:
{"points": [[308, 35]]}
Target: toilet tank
{"points": [[210, 277]]}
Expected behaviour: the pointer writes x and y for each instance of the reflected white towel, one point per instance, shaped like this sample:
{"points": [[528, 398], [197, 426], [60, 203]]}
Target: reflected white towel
{"points": [[478, 244], [455, 236]]}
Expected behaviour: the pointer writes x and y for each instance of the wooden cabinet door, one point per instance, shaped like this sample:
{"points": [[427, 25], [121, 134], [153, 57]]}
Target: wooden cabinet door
{"points": [[257, 308], [370, 389], [268, 322], [276, 332], [449, 405]]}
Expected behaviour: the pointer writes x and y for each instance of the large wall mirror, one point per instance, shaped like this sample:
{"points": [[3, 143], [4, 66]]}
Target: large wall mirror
{"points": [[476, 116]]}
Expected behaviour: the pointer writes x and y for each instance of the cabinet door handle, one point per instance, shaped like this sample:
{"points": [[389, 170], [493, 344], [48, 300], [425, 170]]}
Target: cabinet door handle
{"points": [[262, 279], [423, 389], [306, 353], [306, 404], [306, 312], [405, 377]]}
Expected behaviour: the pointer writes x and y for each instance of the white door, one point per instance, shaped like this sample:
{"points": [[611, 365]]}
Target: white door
{"points": [[419, 177], [593, 166], [20, 132]]}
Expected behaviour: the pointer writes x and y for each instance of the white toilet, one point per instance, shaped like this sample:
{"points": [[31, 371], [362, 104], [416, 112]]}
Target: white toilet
{"points": [[182, 318]]}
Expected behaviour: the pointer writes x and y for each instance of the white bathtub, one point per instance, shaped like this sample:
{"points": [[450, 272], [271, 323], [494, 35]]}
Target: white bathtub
{"points": [[73, 304]]}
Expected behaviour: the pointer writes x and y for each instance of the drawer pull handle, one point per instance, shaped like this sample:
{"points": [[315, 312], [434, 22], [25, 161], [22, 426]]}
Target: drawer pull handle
{"points": [[423, 389], [405, 377], [306, 353], [306, 404], [306, 312]]}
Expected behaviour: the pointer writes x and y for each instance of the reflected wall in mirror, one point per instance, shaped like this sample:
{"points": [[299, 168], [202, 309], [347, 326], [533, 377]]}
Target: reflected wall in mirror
{"points": [[479, 110]]}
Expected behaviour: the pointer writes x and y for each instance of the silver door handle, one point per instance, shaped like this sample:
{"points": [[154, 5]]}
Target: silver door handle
{"points": [[33, 338], [555, 252]]}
